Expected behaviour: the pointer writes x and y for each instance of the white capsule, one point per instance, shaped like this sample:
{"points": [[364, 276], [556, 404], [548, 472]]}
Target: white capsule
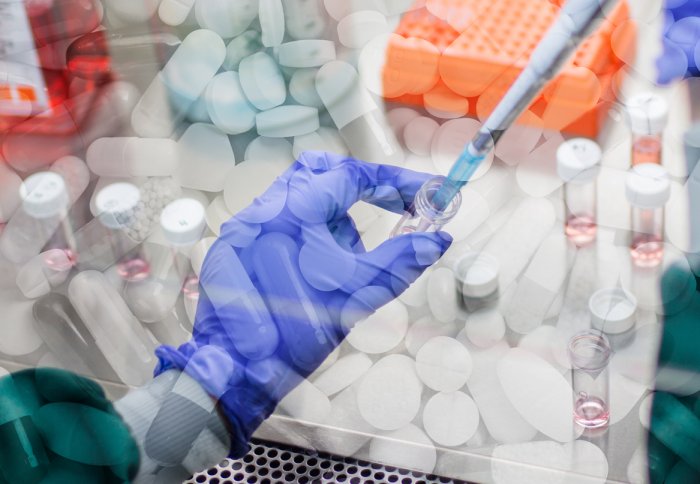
{"points": [[304, 19], [206, 157], [133, 157], [271, 15], [240, 47], [302, 87], [306, 53], [358, 28], [184, 77], [287, 121], [227, 19], [227, 105], [338, 86], [132, 10], [442, 295], [262, 81], [174, 12]]}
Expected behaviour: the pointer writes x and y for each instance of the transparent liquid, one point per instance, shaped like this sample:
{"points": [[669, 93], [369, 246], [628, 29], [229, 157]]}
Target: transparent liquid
{"points": [[133, 270], [590, 412], [647, 250], [581, 229], [646, 150]]}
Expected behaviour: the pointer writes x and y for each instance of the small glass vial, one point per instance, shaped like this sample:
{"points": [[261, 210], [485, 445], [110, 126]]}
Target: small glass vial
{"points": [[589, 354], [648, 189], [477, 280], [41, 221], [105, 240], [423, 216], [647, 114], [578, 165]]}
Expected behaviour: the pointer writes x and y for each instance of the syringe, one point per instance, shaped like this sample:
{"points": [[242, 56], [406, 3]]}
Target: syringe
{"points": [[577, 20]]}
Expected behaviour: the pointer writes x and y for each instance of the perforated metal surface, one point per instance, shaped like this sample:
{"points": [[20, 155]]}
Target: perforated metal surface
{"points": [[268, 463]]}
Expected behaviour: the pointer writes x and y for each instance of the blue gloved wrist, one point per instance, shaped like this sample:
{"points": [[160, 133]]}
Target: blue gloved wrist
{"points": [[680, 56]]}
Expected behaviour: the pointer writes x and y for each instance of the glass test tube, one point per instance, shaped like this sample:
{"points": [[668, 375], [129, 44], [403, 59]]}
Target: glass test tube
{"points": [[578, 165], [589, 353], [647, 114], [41, 221], [648, 189], [423, 216]]}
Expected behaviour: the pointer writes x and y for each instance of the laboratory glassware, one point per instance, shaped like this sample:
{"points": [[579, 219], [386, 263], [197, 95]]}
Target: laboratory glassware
{"points": [[423, 216], [647, 114], [589, 354]]}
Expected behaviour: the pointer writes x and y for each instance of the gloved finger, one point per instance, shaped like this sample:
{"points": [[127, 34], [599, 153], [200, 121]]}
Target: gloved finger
{"points": [[229, 302], [336, 183], [397, 262], [346, 235]]}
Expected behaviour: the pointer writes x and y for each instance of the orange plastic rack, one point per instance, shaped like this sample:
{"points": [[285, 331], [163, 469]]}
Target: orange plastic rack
{"points": [[468, 52]]}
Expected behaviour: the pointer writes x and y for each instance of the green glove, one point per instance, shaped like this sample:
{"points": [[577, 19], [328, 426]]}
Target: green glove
{"points": [[57, 427]]}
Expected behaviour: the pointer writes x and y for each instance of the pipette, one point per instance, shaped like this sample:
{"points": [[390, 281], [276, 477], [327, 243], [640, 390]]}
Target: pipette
{"points": [[577, 20]]}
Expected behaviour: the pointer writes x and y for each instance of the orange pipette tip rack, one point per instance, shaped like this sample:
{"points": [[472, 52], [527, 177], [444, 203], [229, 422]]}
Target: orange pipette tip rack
{"points": [[469, 52]]}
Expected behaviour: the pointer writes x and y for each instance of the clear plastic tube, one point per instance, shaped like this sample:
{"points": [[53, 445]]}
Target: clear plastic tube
{"points": [[647, 245], [423, 216], [581, 206], [589, 353]]}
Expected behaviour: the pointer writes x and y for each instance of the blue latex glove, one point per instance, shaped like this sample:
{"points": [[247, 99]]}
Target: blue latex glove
{"points": [[681, 41], [289, 277]]}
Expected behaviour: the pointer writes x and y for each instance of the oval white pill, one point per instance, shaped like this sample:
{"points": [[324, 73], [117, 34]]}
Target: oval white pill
{"points": [[358, 28], [174, 12], [227, 19], [128, 157], [343, 373], [271, 16], [206, 157], [269, 149], [389, 395], [242, 46], [381, 331], [444, 364], [306, 53], [227, 105], [302, 87], [423, 331], [262, 81], [339, 87], [485, 327], [287, 121], [418, 135], [451, 418], [406, 448]]}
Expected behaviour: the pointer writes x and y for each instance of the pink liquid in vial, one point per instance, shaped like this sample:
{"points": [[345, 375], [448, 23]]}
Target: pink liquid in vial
{"points": [[581, 229], [590, 412], [133, 270], [60, 260], [646, 150], [647, 250], [191, 288]]}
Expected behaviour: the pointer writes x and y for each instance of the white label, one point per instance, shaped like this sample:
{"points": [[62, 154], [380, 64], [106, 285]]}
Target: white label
{"points": [[22, 84]]}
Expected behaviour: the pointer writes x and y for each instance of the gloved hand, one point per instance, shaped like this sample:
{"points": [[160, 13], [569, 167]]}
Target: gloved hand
{"points": [[681, 41], [289, 277], [59, 428]]}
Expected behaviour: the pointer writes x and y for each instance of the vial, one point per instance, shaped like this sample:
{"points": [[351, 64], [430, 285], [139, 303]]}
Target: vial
{"points": [[106, 239], [182, 223], [589, 354], [647, 189], [423, 216], [647, 114], [578, 165], [477, 280], [40, 221]]}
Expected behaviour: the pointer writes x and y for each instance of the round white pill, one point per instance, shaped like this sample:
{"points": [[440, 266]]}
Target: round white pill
{"points": [[398, 118], [228, 19], [242, 46], [418, 135], [451, 418], [406, 448], [485, 327], [302, 88], [381, 331], [444, 364], [306, 53], [271, 16], [262, 81], [343, 373], [269, 149], [287, 121], [227, 105], [389, 395], [423, 331], [358, 28]]}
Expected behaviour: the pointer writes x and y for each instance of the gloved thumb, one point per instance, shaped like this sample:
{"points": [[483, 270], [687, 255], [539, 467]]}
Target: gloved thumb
{"points": [[399, 261]]}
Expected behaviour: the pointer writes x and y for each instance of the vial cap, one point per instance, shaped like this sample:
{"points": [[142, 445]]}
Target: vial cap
{"points": [[116, 204], [477, 274], [44, 195], [612, 310], [648, 186], [578, 160], [647, 113], [183, 222]]}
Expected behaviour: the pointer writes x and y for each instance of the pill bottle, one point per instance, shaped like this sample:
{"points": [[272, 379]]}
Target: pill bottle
{"points": [[422, 216], [647, 114], [647, 189], [34, 80], [578, 165]]}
